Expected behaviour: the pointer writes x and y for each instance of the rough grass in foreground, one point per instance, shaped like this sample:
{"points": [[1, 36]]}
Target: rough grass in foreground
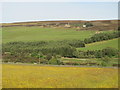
{"points": [[28, 76]]}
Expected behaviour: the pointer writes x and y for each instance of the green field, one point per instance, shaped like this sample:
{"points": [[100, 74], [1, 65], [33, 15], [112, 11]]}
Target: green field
{"points": [[41, 76], [101, 45], [43, 34]]}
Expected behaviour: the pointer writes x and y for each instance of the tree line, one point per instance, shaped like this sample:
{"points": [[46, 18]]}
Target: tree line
{"points": [[50, 52], [108, 51], [101, 37]]}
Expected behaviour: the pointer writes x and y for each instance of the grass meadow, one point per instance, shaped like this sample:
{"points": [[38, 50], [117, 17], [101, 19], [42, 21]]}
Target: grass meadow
{"points": [[43, 34], [101, 45], [40, 76], [34, 76]]}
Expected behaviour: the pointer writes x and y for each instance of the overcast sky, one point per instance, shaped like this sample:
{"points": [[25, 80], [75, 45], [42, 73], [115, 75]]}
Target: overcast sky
{"points": [[37, 11]]}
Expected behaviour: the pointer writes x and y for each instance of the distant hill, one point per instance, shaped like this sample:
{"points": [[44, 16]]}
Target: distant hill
{"points": [[78, 24]]}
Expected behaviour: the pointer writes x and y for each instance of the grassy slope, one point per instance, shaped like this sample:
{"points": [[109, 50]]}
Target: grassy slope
{"points": [[100, 45], [28, 76], [38, 34]]}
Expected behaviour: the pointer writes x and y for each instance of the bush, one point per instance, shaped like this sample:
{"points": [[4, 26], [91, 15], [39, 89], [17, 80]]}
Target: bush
{"points": [[55, 60], [48, 57], [88, 24], [119, 28], [106, 61], [109, 52], [101, 37]]}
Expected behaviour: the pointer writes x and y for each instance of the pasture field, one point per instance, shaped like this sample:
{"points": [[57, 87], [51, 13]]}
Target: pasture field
{"points": [[101, 45], [43, 34], [35, 76], [87, 62]]}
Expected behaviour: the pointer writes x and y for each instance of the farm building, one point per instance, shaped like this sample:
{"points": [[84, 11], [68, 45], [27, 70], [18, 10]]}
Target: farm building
{"points": [[84, 26], [67, 25]]}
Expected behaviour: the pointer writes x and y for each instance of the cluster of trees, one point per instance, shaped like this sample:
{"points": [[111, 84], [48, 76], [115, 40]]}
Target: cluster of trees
{"points": [[106, 61], [53, 49], [31, 58], [103, 55], [34, 51], [50, 52], [88, 24], [108, 51], [73, 43], [119, 28], [101, 37], [14, 52]]}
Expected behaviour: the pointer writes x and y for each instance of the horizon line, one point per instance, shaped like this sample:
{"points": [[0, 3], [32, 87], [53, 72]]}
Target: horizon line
{"points": [[58, 20]]}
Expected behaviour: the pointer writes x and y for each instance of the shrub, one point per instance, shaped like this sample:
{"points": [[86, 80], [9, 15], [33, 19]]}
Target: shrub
{"points": [[106, 61], [109, 52], [101, 37], [56, 60], [88, 24], [48, 57]]}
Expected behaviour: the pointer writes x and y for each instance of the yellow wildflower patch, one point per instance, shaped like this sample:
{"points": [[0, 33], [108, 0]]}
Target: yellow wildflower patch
{"points": [[33, 76]]}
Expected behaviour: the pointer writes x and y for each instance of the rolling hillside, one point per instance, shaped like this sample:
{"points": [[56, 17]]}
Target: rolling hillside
{"points": [[97, 25], [27, 43], [42, 34], [101, 45]]}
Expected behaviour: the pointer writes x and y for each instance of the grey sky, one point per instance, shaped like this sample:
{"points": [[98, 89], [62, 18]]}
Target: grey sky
{"points": [[37, 11]]}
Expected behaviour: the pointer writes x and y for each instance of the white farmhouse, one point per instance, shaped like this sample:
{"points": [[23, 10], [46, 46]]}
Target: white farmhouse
{"points": [[84, 26], [67, 26]]}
